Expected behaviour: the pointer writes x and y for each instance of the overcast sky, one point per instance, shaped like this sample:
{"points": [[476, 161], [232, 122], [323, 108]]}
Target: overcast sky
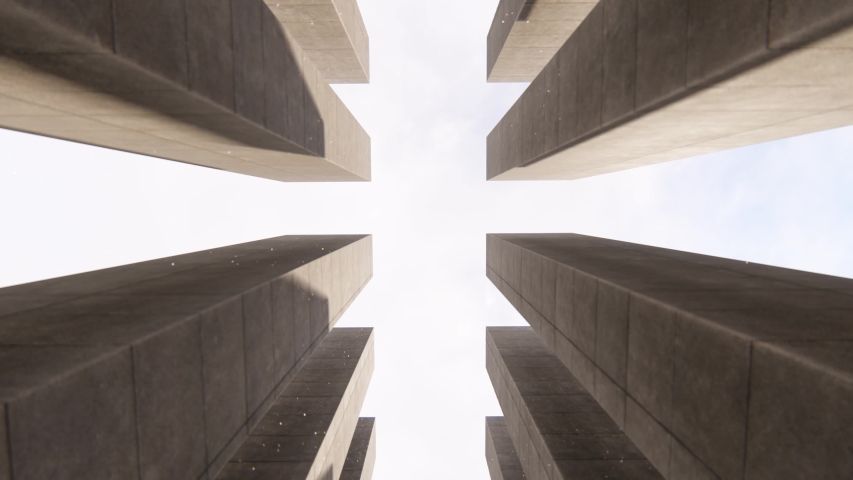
{"points": [[68, 208]]}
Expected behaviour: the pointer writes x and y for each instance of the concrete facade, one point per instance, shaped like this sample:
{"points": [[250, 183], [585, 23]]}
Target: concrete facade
{"points": [[556, 426], [219, 83], [160, 369], [715, 368], [308, 431], [332, 34], [501, 456], [361, 457], [644, 82], [526, 34]]}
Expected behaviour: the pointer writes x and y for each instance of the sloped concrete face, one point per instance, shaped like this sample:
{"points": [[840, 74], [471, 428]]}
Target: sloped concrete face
{"points": [[160, 369], [501, 456], [361, 456], [219, 84], [309, 430], [332, 34], [526, 34], [556, 426], [718, 368], [640, 83]]}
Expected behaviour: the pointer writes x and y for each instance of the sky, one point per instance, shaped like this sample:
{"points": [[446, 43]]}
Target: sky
{"points": [[66, 208]]}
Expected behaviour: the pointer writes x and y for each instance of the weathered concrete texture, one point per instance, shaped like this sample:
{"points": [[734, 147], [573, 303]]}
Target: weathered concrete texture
{"points": [[501, 456], [361, 456], [159, 369], [526, 34], [332, 34], [716, 368], [644, 82], [556, 426], [214, 83], [308, 431]]}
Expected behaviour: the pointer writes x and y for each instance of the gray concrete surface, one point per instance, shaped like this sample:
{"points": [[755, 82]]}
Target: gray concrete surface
{"points": [[361, 457], [159, 369], [644, 82], [309, 429], [715, 368], [501, 456], [216, 83], [556, 426], [332, 34], [526, 34]]}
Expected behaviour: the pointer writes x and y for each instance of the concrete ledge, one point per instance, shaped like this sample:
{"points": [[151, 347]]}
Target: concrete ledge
{"points": [[526, 34], [332, 34], [501, 456], [159, 369], [640, 83], [557, 428], [308, 431], [718, 368], [361, 456], [212, 83]]}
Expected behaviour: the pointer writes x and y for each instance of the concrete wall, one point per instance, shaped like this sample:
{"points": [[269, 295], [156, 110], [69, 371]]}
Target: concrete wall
{"points": [[501, 456], [526, 34], [558, 429], [716, 368], [361, 457], [159, 369], [332, 34], [213, 83], [644, 82], [309, 429]]}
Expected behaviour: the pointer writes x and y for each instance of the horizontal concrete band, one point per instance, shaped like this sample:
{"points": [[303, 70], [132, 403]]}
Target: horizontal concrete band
{"points": [[216, 83], [644, 82], [361, 457], [332, 34], [501, 456], [559, 431], [526, 34], [715, 367], [158, 369], [309, 430]]}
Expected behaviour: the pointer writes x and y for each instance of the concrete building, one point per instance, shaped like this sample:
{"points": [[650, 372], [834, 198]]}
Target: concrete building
{"points": [[642, 82], [557, 428], [714, 368], [501, 455], [361, 457], [236, 85], [162, 369], [309, 430]]}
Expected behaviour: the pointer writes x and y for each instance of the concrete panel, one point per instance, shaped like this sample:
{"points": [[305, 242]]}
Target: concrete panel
{"points": [[715, 365], [210, 41], [525, 35], [170, 421], [205, 83], [799, 410], [501, 456], [311, 426], [166, 354], [332, 33], [555, 425], [619, 60], [361, 456], [153, 35], [258, 337], [659, 81], [590, 46], [52, 394]]}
